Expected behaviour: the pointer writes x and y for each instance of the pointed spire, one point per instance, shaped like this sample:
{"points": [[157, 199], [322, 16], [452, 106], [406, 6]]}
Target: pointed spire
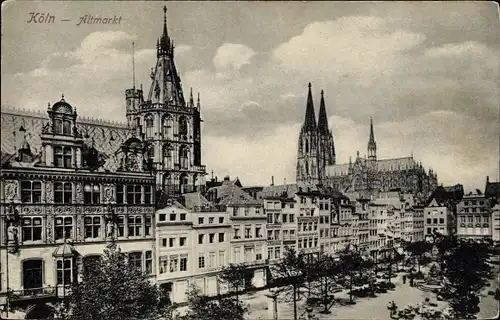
{"points": [[133, 65], [164, 45], [372, 146], [198, 104], [372, 136], [191, 100], [310, 118], [323, 119]]}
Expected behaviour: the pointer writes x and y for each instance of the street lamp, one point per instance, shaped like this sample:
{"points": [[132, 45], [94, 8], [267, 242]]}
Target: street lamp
{"points": [[273, 294]]}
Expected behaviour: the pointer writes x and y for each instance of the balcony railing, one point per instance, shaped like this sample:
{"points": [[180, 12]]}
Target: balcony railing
{"points": [[32, 293]]}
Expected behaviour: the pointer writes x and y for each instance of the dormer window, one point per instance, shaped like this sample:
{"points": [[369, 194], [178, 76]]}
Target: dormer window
{"points": [[63, 157]]}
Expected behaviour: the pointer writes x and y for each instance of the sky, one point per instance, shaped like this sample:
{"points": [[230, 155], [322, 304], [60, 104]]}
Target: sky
{"points": [[426, 72]]}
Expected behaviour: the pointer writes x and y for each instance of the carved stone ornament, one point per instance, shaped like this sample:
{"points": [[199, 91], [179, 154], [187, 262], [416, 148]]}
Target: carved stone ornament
{"points": [[109, 193], [49, 192], [10, 192], [79, 192], [50, 223]]}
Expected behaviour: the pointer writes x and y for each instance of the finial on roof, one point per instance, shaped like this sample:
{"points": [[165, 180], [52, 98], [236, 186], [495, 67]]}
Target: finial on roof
{"points": [[62, 97], [309, 85]]}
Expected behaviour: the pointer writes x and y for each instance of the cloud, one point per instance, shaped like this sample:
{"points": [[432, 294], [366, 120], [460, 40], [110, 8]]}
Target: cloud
{"points": [[438, 101]]}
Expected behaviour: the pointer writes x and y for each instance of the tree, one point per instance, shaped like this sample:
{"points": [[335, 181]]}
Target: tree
{"points": [[290, 272], [113, 289], [234, 276], [327, 271], [352, 263], [465, 271], [204, 308], [418, 249]]}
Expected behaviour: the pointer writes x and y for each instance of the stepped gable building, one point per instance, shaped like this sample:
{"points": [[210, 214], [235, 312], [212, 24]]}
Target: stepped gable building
{"points": [[69, 187], [316, 162], [169, 123]]}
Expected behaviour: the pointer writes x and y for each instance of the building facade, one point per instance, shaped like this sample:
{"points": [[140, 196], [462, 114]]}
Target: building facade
{"points": [[439, 216], [68, 190], [474, 217], [170, 123]]}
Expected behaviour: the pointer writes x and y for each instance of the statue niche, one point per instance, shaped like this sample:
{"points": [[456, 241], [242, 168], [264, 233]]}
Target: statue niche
{"points": [[131, 155]]}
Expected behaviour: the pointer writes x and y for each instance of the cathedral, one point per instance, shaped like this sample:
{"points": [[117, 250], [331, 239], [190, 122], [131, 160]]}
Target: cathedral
{"points": [[316, 162]]}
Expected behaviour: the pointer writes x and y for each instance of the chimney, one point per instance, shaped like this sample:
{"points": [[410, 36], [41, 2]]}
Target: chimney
{"points": [[272, 180], [487, 179], [226, 178]]}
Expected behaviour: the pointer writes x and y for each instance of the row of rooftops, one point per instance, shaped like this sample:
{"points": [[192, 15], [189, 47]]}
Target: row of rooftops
{"points": [[231, 192]]}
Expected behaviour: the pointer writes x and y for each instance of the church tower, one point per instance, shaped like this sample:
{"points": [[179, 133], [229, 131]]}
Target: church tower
{"points": [[326, 146], [170, 125], [372, 146], [307, 153]]}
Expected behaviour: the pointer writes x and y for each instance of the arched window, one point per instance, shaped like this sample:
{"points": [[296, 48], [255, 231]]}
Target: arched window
{"points": [[167, 156], [167, 183], [183, 128], [57, 126], [307, 145], [184, 157], [149, 126], [167, 127], [183, 183]]}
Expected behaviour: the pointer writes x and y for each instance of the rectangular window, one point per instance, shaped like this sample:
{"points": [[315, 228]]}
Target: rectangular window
{"points": [[171, 242], [200, 238], [211, 237], [441, 220], [120, 226], [134, 194], [63, 228], [148, 195], [135, 260], [182, 241], [163, 217], [221, 219], [134, 224], [147, 225], [31, 229], [291, 218], [183, 265], [211, 220], [63, 157], [284, 217], [201, 262], [31, 191], [183, 217], [258, 233], [149, 262], [164, 242], [200, 220], [173, 264], [222, 258], [63, 192], [269, 218], [173, 216], [120, 198], [163, 264], [236, 233], [248, 232], [221, 237], [92, 227], [64, 271], [91, 193], [211, 260]]}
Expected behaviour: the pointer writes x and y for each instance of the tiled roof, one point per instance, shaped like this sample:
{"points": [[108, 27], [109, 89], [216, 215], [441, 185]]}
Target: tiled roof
{"points": [[105, 137], [286, 190], [231, 194], [196, 201]]}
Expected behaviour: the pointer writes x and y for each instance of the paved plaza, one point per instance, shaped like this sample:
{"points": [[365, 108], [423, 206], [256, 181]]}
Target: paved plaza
{"points": [[260, 306]]}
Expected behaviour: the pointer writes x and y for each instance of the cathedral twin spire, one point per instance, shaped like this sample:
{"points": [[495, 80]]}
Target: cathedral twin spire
{"points": [[316, 148]]}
